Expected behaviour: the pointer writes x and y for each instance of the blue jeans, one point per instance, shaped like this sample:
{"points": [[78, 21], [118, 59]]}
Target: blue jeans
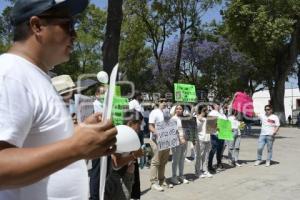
{"points": [[265, 139], [234, 147]]}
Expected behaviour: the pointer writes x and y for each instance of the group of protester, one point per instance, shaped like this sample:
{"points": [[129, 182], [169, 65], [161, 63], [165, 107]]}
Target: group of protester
{"points": [[43, 150], [206, 145]]}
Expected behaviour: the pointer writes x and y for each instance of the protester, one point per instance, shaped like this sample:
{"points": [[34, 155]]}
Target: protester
{"points": [[179, 152], [269, 128], [234, 145], [203, 144], [99, 101], [120, 181], [41, 152], [160, 158], [216, 143], [290, 119]]}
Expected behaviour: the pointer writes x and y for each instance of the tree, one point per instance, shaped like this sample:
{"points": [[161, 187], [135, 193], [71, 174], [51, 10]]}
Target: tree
{"points": [[134, 54], [211, 65], [268, 31]]}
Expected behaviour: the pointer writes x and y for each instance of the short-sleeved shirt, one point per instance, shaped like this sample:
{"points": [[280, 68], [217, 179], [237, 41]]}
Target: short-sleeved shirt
{"points": [[268, 124], [32, 114], [155, 116]]}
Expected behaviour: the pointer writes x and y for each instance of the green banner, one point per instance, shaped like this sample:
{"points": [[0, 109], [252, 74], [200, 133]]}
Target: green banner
{"points": [[185, 93], [120, 104], [224, 129]]}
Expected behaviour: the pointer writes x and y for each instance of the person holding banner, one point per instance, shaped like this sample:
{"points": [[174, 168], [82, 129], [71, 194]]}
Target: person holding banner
{"points": [[179, 152], [202, 145], [42, 153], [160, 158], [216, 143], [234, 145]]}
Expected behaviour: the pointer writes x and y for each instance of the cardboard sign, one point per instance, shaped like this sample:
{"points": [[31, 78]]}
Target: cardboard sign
{"points": [[120, 105], [167, 135], [189, 127], [224, 130], [84, 107], [185, 93], [211, 125]]}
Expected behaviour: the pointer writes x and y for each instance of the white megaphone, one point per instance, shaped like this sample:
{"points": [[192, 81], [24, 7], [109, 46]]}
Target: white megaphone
{"points": [[127, 139]]}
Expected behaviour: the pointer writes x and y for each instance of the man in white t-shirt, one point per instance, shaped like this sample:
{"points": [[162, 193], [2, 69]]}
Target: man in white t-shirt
{"points": [[41, 152], [160, 158], [269, 128]]}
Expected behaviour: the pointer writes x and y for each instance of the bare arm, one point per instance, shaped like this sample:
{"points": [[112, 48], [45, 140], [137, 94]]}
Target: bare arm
{"points": [[120, 161], [152, 128], [23, 166], [276, 129]]}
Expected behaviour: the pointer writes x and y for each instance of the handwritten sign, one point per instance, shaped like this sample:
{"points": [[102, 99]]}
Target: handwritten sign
{"points": [[225, 130], [167, 135], [189, 127], [84, 107], [185, 93], [120, 104]]}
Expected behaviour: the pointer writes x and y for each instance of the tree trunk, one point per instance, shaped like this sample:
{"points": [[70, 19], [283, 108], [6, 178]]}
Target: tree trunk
{"points": [[277, 99], [111, 43], [178, 57]]}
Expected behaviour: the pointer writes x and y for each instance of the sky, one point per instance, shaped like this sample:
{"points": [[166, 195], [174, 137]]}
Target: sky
{"points": [[211, 14]]}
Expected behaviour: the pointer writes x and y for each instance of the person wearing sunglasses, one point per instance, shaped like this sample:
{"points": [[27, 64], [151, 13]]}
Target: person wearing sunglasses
{"points": [[269, 128], [42, 153]]}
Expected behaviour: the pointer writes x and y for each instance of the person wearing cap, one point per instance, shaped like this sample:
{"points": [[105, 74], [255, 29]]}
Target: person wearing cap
{"points": [[41, 152]]}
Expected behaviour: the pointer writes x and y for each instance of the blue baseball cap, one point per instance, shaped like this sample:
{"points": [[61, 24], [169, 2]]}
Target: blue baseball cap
{"points": [[24, 9]]}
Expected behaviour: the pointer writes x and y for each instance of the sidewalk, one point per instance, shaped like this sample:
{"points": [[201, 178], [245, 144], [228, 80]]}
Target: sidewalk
{"points": [[280, 181]]}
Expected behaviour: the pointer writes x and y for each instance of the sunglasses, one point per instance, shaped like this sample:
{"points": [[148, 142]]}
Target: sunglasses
{"points": [[267, 109], [163, 101], [68, 23]]}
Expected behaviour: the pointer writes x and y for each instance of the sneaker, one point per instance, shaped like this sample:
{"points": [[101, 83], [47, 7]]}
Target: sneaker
{"points": [[208, 175], [238, 164], [220, 166], [168, 185], [174, 181], [258, 162], [157, 187], [268, 163], [212, 171], [183, 180], [188, 160]]}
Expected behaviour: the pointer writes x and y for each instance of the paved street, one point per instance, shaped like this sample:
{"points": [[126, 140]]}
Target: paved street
{"points": [[280, 181]]}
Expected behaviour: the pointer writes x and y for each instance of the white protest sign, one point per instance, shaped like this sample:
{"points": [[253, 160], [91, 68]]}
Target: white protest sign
{"points": [[84, 107], [167, 134]]}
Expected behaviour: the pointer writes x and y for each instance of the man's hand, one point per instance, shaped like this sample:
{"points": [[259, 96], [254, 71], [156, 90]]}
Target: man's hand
{"points": [[94, 139], [138, 153]]}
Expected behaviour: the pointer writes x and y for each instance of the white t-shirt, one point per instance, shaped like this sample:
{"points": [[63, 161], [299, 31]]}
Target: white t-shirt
{"points": [[217, 114], [201, 129], [98, 106], [134, 104], [155, 116], [32, 114], [268, 124]]}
